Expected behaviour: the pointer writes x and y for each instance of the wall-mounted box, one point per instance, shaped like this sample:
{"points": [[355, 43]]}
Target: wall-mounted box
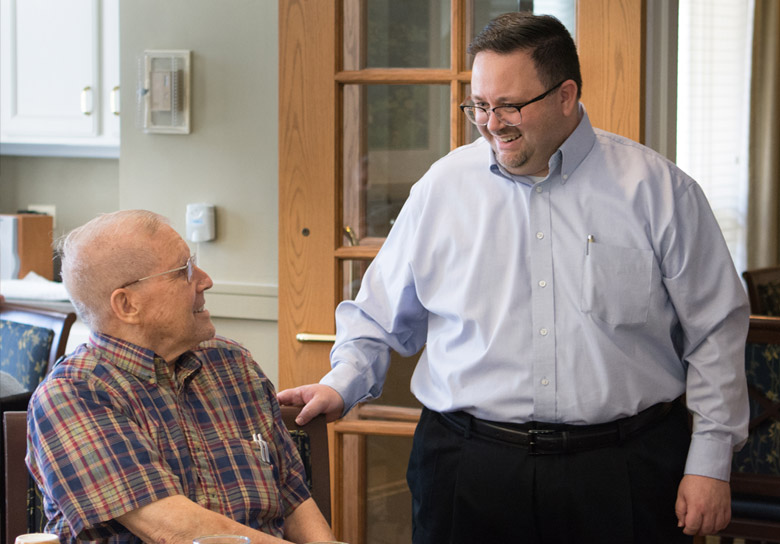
{"points": [[26, 246], [164, 92]]}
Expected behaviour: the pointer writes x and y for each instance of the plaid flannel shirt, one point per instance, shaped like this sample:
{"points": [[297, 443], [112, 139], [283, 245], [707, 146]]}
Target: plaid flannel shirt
{"points": [[110, 431]]}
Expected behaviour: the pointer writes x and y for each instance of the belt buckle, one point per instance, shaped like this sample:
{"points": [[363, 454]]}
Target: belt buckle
{"points": [[532, 435]]}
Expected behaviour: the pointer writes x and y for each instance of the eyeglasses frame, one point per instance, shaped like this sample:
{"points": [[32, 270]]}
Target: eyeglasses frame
{"points": [[518, 107], [192, 262]]}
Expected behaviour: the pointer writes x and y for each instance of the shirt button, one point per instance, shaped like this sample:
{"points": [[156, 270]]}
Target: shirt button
{"points": [[545, 381], [539, 189], [542, 283], [566, 176], [539, 235], [543, 332]]}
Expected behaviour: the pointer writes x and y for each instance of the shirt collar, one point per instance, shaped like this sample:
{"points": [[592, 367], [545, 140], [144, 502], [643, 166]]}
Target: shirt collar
{"points": [[577, 146], [568, 157], [141, 362]]}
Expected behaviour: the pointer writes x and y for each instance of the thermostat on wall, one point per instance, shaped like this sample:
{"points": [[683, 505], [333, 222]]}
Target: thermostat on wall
{"points": [[200, 222], [164, 91]]}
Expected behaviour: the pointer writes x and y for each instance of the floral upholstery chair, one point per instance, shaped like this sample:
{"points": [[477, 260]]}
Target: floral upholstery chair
{"points": [[31, 340], [755, 473], [25, 353], [763, 287], [769, 294]]}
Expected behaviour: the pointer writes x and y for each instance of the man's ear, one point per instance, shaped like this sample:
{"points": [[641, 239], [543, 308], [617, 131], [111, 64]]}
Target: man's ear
{"points": [[568, 94], [124, 304]]}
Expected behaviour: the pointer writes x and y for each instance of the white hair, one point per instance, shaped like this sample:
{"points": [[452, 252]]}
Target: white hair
{"points": [[104, 254]]}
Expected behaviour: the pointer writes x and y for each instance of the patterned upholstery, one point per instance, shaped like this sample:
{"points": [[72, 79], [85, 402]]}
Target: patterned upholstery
{"points": [[769, 295], [25, 352], [32, 337], [761, 453], [303, 444], [763, 289], [755, 475]]}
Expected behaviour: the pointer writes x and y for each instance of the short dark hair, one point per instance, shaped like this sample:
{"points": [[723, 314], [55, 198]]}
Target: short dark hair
{"points": [[551, 46]]}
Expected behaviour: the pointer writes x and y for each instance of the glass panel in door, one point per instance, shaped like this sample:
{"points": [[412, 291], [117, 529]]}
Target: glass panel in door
{"points": [[391, 136], [388, 499], [396, 34]]}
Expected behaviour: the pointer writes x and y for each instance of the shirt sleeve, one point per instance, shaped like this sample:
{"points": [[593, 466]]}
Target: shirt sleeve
{"points": [[385, 315], [713, 311], [91, 458]]}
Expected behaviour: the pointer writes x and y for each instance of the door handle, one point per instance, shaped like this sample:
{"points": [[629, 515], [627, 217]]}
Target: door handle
{"points": [[312, 337]]}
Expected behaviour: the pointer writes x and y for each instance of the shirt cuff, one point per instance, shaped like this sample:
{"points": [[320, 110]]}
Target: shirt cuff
{"points": [[711, 458], [348, 383]]}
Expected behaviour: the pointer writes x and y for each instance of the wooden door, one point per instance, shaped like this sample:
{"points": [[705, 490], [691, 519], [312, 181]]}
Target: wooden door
{"points": [[344, 147]]}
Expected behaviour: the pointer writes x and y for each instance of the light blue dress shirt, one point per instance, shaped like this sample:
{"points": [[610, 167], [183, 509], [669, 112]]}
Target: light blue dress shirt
{"points": [[585, 297]]}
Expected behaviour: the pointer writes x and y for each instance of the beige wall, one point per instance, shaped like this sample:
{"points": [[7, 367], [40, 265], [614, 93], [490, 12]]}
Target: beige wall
{"points": [[229, 159], [79, 188]]}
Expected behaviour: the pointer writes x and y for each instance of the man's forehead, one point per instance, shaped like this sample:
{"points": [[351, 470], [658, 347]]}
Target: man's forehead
{"points": [[165, 242], [506, 77]]}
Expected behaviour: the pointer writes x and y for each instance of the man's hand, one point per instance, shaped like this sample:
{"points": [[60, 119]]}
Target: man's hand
{"points": [[703, 505], [316, 399]]}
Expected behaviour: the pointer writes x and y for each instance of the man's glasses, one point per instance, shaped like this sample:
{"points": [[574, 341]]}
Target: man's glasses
{"points": [[192, 262], [508, 114]]}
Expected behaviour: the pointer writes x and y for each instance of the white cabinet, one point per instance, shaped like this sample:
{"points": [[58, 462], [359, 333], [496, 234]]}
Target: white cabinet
{"points": [[59, 77]]}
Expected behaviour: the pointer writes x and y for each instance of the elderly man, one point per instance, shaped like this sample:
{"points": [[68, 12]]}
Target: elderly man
{"points": [[146, 432]]}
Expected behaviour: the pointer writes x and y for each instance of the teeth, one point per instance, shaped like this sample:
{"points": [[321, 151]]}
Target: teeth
{"points": [[199, 310], [508, 139]]}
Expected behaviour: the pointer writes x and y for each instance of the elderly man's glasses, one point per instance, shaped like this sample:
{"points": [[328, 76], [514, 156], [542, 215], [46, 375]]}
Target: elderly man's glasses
{"points": [[192, 262], [508, 114]]}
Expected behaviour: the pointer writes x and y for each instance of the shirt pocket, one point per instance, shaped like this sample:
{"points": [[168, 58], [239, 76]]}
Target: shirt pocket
{"points": [[616, 284], [248, 483]]}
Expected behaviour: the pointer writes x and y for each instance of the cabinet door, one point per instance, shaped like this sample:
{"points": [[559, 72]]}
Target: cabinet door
{"points": [[109, 129], [50, 68]]}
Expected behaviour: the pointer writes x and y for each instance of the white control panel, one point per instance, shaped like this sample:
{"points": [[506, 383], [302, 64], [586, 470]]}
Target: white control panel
{"points": [[200, 223]]}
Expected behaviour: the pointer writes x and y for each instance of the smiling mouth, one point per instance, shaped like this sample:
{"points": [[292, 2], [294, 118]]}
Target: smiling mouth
{"points": [[201, 309], [507, 139]]}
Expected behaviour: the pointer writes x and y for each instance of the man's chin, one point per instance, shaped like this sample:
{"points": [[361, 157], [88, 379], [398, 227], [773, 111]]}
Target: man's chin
{"points": [[207, 333]]}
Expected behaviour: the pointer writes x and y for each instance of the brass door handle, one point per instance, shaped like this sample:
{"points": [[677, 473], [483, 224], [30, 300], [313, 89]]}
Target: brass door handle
{"points": [[311, 337]]}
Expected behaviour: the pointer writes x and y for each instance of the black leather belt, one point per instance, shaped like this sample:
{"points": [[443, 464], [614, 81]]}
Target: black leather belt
{"points": [[551, 439]]}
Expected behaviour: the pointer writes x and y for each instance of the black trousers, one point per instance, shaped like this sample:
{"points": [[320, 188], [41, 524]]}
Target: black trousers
{"points": [[475, 490]]}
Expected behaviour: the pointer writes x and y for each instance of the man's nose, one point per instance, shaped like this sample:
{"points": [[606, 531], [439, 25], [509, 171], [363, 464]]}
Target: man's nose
{"points": [[203, 280], [494, 123]]}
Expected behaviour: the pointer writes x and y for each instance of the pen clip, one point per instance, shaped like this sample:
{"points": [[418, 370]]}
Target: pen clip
{"points": [[265, 452]]}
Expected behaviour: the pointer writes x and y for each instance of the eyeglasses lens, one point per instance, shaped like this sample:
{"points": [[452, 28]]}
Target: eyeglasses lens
{"points": [[192, 262]]}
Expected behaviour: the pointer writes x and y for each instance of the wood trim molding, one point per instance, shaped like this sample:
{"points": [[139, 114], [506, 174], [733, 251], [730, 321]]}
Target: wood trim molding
{"points": [[307, 151], [611, 37]]}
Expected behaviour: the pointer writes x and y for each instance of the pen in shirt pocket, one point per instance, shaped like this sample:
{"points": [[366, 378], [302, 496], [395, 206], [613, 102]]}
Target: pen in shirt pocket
{"points": [[265, 453], [588, 242]]}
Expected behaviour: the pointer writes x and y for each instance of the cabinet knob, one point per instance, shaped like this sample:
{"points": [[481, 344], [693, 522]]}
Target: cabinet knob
{"points": [[115, 100], [86, 100]]}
